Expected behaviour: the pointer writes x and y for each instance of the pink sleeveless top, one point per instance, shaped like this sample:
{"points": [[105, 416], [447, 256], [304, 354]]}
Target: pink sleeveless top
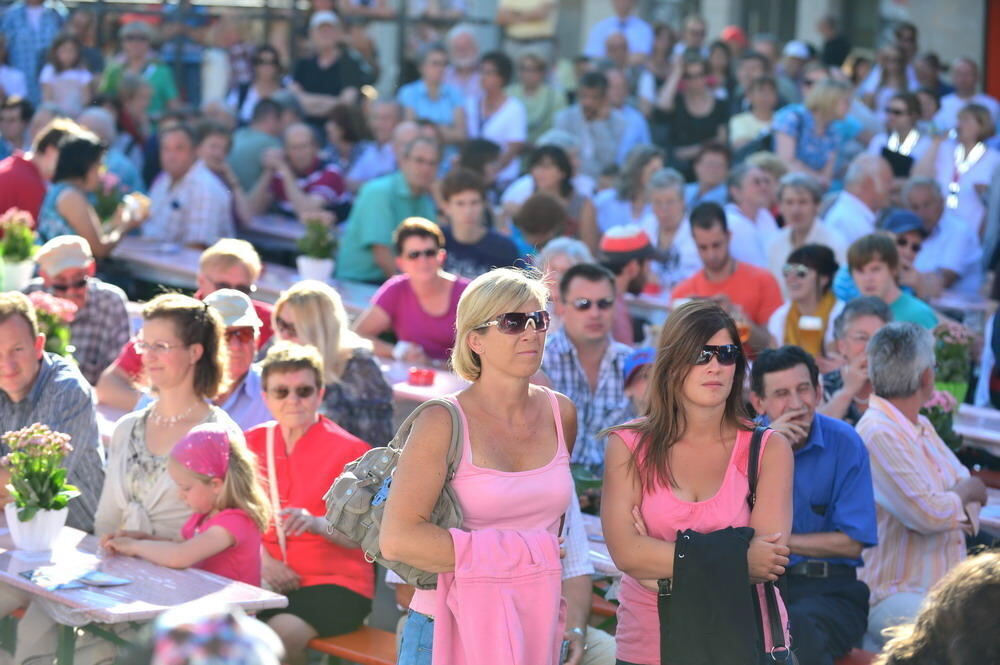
{"points": [[665, 514], [508, 500]]}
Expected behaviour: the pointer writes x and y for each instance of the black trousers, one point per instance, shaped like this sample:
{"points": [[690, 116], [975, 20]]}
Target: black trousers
{"points": [[827, 616]]}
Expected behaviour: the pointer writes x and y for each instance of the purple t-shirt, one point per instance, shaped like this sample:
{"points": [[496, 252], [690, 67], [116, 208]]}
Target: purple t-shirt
{"points": [[241, 561], [435, 334]]}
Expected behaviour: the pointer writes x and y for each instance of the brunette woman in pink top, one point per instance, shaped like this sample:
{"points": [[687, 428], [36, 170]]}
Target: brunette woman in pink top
{"points": [[684, 466], [514, 472]]}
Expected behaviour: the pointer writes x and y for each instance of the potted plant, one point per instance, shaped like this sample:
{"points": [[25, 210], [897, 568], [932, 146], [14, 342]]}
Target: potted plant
{"points": [[316, 248], [17, 247], [953, 358], [940, 410], [54, 316], [38, 486]]}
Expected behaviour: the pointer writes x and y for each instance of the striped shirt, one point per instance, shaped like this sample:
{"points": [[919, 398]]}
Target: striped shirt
{"points": [[920, 522], [62, 399]]}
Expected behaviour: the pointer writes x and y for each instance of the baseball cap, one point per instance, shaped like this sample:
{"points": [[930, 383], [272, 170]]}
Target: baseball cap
{"points": [[64, 253], [734, 33], [323, 18], [235, 308], [630, 240], [137, 28], [643, 355], [902, 221], [796, 49]]}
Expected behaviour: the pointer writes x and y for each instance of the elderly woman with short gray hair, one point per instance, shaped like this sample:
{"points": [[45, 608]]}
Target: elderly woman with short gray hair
{"points": [[799, 196], [926, 500], [667, 226]]}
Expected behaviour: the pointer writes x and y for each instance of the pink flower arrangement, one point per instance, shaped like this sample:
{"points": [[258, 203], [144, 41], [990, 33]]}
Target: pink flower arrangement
{"points": [[54, 316], [940, 410], [60, 308], [37, 477], [943, 400]]}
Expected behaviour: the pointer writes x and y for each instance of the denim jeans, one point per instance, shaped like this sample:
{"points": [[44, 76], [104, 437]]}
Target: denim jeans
{"points": [[418, 638]]}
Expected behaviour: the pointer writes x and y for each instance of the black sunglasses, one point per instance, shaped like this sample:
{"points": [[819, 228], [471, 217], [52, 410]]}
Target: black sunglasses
{"points": [[63, 288], [727, 354], [302, 392], [242, 288], [584, 304], [515, 323], [903, 242], [426, 253], [265, 61]]}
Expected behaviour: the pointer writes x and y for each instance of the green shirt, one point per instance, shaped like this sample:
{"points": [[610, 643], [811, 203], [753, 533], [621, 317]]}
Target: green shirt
{"points": [[541, 108], [908, 307], [381, 205], [249, 145], [157, 74]]}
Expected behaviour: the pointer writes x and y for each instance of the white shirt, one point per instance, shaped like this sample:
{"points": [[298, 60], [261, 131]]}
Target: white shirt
{"points": [[881, 139], [781, 247], [986, 365], [850, 217], [951, 104], [196, 210], [776, 324], [13, 82], [612, 211], [682, 258], [375, 160], [954, 246], [521, 189], [508, 124], [750, 238], [971, 208], [469, 87], [637, 32], [871, 83]]}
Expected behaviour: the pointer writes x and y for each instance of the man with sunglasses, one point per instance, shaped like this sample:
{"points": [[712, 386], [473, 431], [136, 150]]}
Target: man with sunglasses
{"points": [[626, 251], [100, 327], [585, 363]]}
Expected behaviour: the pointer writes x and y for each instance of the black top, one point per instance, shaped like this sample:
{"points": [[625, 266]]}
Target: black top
{"points": [[836, 51], [347, 71], [492, 251], [686, 129]]}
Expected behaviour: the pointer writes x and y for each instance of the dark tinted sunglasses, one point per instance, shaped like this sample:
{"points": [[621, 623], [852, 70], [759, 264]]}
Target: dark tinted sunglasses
{"points": [[727, 354], [302, 392], [902, 241], [426, 253], [242, 288], [584, 304], [72, 286], [892, 111], [264, 61], [242, 335], [515, 323]]}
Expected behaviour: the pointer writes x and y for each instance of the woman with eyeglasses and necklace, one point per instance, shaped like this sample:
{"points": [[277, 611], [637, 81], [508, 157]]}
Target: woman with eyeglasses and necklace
{"points": [[268, 78], [300, 453], [419, 305], [806, 319], [514, 470], [356, 395], [684, 466]]}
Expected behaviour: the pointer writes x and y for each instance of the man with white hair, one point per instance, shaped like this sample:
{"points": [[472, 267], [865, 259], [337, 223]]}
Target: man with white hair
{"points": [[867, 187], [926, 500], [102, 123], [965, 78], [463, 56]]}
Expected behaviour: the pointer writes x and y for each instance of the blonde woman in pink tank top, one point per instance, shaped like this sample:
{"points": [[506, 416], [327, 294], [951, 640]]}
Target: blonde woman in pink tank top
{"points": [[684, 466], [514, 472]]}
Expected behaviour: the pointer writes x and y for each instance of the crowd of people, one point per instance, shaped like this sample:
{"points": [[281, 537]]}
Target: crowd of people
{"points": [[803, 217]]}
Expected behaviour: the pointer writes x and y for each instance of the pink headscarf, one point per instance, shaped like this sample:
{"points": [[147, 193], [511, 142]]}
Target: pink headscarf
{"points": [[204, 450]]}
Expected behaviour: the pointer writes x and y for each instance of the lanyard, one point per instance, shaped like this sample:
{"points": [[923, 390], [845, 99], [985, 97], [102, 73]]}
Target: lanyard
{"points": [[904, 147], [963, 162]]}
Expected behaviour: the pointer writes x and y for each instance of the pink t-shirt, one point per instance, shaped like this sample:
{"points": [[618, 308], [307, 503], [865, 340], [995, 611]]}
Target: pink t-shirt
{"points": [[665, 514], [435, 334], [241, 561]]}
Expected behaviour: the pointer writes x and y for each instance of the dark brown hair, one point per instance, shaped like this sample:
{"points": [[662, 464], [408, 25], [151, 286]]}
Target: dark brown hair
{"points": [[416, 227], [461, 180], [873, 247], [686, 331], [195, 323]]}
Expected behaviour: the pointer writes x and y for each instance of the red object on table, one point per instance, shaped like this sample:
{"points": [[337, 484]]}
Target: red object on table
{"points": [[421, 376]]}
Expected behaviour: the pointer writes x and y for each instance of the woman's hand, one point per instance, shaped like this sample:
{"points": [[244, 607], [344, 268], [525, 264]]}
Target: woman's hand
{"points": [[121, 545], [297, 521], [278, 575], [766, 558], [640, 527]]}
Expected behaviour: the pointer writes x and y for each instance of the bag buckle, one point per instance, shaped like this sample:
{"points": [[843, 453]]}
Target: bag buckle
{"points": [[819, 569], [780, 654], [383, 492]]}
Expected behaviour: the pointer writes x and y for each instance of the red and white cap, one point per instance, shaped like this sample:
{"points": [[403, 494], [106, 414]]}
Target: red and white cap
{"points": [[630, 240]]}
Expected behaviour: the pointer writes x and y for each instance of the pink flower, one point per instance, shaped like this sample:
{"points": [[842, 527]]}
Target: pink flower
{"points": [[60, 308]]}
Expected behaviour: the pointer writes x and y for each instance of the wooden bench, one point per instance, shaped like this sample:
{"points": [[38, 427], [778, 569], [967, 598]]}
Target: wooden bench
{"points": [[366, 646]]}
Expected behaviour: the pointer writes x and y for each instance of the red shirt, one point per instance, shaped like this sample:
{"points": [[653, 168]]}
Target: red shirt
{"points": [[303, 478], [754, 289], [323, 180], [241, 560], [21, 185]]}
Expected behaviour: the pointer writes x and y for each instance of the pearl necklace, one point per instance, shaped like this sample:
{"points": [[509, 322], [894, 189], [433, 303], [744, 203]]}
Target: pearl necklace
{"points": [[158, 419]]}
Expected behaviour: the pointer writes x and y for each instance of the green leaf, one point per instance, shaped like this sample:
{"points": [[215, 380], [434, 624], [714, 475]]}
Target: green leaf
{"points": [[26, 513]]}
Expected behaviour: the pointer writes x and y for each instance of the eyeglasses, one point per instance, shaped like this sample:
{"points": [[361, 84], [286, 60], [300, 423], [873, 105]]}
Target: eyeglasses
{"points": [[892, 111], [242, 335], [903, 241], [72, 286], [515, 323], [727, 354], [584, 304], [282, 392], [426, 253], [265, 61], [284, 327], [242, 288], [796, 269], [156, 348]]}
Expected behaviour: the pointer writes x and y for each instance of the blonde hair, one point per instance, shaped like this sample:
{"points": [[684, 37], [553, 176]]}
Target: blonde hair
{"points": [[321, 321], [825, 95], [230, 252], [769, 162], [15, 303], [489, 295]]}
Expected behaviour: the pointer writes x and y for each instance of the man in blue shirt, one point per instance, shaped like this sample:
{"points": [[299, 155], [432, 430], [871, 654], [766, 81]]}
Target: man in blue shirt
{"points": [[833, 516]]}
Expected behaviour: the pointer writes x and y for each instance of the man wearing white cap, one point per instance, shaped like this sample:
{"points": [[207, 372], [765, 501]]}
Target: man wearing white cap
{"points": [[795, 55], [330, 77], [100, 327]]}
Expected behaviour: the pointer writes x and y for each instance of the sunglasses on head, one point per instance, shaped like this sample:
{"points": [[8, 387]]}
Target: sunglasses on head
{"points": [[282, 392], [241, 335], [584, 304], [515, 323], [426, 253], [727, 354], [71, 286], [796, 269]]}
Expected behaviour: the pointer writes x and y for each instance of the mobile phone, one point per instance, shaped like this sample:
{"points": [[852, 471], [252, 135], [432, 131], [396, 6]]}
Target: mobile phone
{"points": [[564, 652]]}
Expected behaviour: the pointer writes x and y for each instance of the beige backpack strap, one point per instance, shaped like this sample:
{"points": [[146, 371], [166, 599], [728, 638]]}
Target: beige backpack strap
{"points": [[272, 486]]}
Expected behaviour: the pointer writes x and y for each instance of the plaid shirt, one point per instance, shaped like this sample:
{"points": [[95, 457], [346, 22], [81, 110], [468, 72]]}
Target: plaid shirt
{"points": [[63, 400], [195, 210], [99, 330], [26, 45], [606, 406]]}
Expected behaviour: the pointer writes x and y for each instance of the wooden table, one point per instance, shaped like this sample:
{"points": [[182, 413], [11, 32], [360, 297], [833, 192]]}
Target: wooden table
{"points": [[153, 589], [273, 231], [979, 427]]}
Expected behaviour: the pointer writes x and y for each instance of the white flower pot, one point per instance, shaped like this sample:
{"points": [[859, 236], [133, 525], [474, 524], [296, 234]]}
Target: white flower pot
{"points": [[313, 268], [17, 275], [37, 534]]}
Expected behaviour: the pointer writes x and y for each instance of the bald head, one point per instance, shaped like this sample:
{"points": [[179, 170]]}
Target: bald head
{"points": [[100, 121], [870, 179], [301, 147]]}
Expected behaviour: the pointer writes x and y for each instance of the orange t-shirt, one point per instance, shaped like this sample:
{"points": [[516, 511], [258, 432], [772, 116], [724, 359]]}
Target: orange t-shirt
{"points": [[752, 288], [303, 478]]}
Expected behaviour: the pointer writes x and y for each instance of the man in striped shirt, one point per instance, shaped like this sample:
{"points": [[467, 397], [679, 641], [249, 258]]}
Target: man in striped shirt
{"points": [[926, 501]]}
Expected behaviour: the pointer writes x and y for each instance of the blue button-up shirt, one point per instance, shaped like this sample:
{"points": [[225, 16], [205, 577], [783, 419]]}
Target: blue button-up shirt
{"points": [[27, 44], [245, 404], [833, 486]]}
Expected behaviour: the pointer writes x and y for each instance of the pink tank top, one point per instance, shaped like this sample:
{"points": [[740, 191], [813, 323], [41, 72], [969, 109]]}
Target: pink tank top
{"points": [[508, 500], [665, 514]]}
